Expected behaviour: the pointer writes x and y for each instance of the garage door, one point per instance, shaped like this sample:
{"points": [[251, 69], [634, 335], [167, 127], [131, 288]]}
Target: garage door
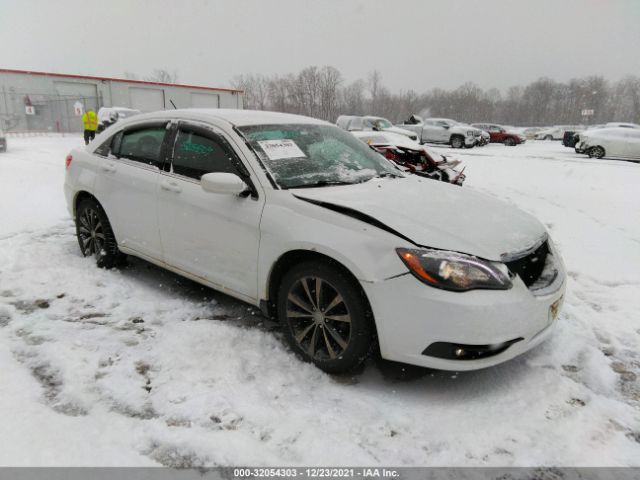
{"points": [[205, 100], [146, 99], [76, 89]]}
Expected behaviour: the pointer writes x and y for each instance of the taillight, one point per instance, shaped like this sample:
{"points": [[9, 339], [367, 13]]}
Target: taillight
{"points": [[67, 161]]}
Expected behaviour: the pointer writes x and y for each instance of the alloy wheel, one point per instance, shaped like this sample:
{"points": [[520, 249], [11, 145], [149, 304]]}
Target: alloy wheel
{"points": [[91, 233], [319, 318], [597, 152]]}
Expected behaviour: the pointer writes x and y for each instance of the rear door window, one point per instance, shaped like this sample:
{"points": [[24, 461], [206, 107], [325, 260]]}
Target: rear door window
{"points": [[143, 145]]}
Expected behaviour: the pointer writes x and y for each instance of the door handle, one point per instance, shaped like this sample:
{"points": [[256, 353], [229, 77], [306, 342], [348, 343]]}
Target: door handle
{"points": [[170, 186], [108, 167]]}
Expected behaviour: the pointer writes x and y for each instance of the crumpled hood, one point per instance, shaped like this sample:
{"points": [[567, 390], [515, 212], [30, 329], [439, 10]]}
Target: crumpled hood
{"points": [[438, 215], [400, 131]]}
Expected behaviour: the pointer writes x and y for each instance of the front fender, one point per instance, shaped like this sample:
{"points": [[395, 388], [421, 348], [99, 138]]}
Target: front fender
{"points": [[291, 224]]}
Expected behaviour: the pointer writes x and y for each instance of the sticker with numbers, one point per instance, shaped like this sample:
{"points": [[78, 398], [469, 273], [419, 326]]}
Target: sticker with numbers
{"points": [[281, 149]]}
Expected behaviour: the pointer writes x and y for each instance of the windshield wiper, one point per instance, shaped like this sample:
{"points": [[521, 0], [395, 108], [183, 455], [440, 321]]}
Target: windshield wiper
{"points": [[321, 183]]}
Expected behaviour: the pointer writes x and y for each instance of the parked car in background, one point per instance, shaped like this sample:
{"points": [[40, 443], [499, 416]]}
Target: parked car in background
{"points": [[354, 123], [557, 132], [617, 142], [621, 125], [298, 217], [107, 116], [499, 134], [528, 132], [3, 142], [413, 157], [443, 131], [573, 139]]}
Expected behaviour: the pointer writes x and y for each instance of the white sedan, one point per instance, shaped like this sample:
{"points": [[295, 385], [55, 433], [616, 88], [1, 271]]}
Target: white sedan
{"points": [[619, 142], [299, 217]]}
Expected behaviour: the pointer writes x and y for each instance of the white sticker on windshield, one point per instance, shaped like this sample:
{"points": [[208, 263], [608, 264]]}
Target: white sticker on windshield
{"points": [[280, 149]]}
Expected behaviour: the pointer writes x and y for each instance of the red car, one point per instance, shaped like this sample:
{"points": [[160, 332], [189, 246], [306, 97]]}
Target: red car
{"points": [[500, 135]]}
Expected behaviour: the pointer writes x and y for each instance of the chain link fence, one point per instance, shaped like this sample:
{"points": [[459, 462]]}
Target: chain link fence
{"points": [[49, 113]]}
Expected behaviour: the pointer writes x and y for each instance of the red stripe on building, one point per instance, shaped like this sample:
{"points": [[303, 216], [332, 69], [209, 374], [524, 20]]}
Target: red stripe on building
{"points": [[121, 80]]}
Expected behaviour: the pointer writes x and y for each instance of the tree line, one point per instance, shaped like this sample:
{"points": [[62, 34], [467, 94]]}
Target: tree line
{"points": [[322, 92]]}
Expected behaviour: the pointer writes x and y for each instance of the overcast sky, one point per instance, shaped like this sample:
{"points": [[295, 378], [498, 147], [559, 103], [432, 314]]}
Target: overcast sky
{"points": [[417, 44]]}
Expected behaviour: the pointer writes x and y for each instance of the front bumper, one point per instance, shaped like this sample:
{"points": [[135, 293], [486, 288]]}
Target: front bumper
{"points": [[481, 141], [581, 147], [411, 316]]}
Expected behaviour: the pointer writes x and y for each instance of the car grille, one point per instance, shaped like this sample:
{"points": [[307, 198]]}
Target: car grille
{"points": [[530, 267]]}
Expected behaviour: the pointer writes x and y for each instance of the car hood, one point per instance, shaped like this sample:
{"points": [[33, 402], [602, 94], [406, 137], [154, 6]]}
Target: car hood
{"points": [[434, 214], [400, 131]]}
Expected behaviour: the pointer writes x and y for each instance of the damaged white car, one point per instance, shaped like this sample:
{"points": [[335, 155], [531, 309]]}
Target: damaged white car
{"points": [[299, 217]]}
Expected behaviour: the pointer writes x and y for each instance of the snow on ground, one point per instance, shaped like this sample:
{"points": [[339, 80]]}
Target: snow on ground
{"points": [[141, 367]]}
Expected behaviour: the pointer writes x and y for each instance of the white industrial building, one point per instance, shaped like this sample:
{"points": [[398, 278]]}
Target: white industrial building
{"points": [[40, 101]]}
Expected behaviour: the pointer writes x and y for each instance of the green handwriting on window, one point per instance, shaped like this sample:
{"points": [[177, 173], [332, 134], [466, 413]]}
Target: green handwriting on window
{"points": [[196, 148]]}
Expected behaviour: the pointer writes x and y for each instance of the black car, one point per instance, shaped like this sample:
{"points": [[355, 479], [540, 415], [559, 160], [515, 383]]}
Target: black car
{"points": [[570, 139]]}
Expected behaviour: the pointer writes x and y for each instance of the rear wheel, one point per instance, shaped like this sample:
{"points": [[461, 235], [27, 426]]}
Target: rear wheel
{"points": [[596, 152], [548, 137], [95, 235], [325, 317], [457, 141], [509, 142]]}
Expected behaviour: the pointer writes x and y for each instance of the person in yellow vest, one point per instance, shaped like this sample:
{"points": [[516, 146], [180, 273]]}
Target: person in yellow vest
{"points": [[90, 124]]}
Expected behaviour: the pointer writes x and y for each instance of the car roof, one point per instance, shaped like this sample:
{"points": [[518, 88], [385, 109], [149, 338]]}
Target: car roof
{"points": [[236, 117], [607, 130]]}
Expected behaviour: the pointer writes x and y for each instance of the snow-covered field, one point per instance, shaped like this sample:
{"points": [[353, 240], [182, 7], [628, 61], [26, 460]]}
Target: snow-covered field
{"points": [[141, 367]]}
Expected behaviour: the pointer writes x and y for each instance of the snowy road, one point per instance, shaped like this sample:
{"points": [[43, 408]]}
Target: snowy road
{"points": [[141, 367]]}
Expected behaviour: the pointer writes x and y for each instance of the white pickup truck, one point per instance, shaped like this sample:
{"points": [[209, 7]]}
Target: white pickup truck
{"points": [[443, 130], [355, 123]]}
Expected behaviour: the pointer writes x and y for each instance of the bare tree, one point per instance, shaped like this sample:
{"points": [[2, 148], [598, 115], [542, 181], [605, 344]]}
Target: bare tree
{"points": [[161, 75], [352, 98], [320, 92], [330, 80], [255, 88]]}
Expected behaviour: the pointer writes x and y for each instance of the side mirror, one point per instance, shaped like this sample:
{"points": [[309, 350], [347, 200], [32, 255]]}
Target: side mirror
{"points": [[446, 127], [224, 183]]}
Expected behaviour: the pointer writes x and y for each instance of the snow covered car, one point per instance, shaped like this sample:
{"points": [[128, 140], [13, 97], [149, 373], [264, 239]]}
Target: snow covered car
{"points": [[301, 218], [444, 131], [354, 123], [3, 142], [556, 133], [528, 132], [499, 134], [576, 142], [107, 116], [413, 157], [620, 142]]}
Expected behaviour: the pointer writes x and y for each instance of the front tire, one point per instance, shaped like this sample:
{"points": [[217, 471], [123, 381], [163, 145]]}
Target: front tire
{"points": [[457, 141], [325, 317], [95, 235], [596, 152], [548, 137]]}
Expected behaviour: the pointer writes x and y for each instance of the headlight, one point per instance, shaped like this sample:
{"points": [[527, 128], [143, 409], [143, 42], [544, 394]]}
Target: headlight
{"points": [[455, 271]]}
